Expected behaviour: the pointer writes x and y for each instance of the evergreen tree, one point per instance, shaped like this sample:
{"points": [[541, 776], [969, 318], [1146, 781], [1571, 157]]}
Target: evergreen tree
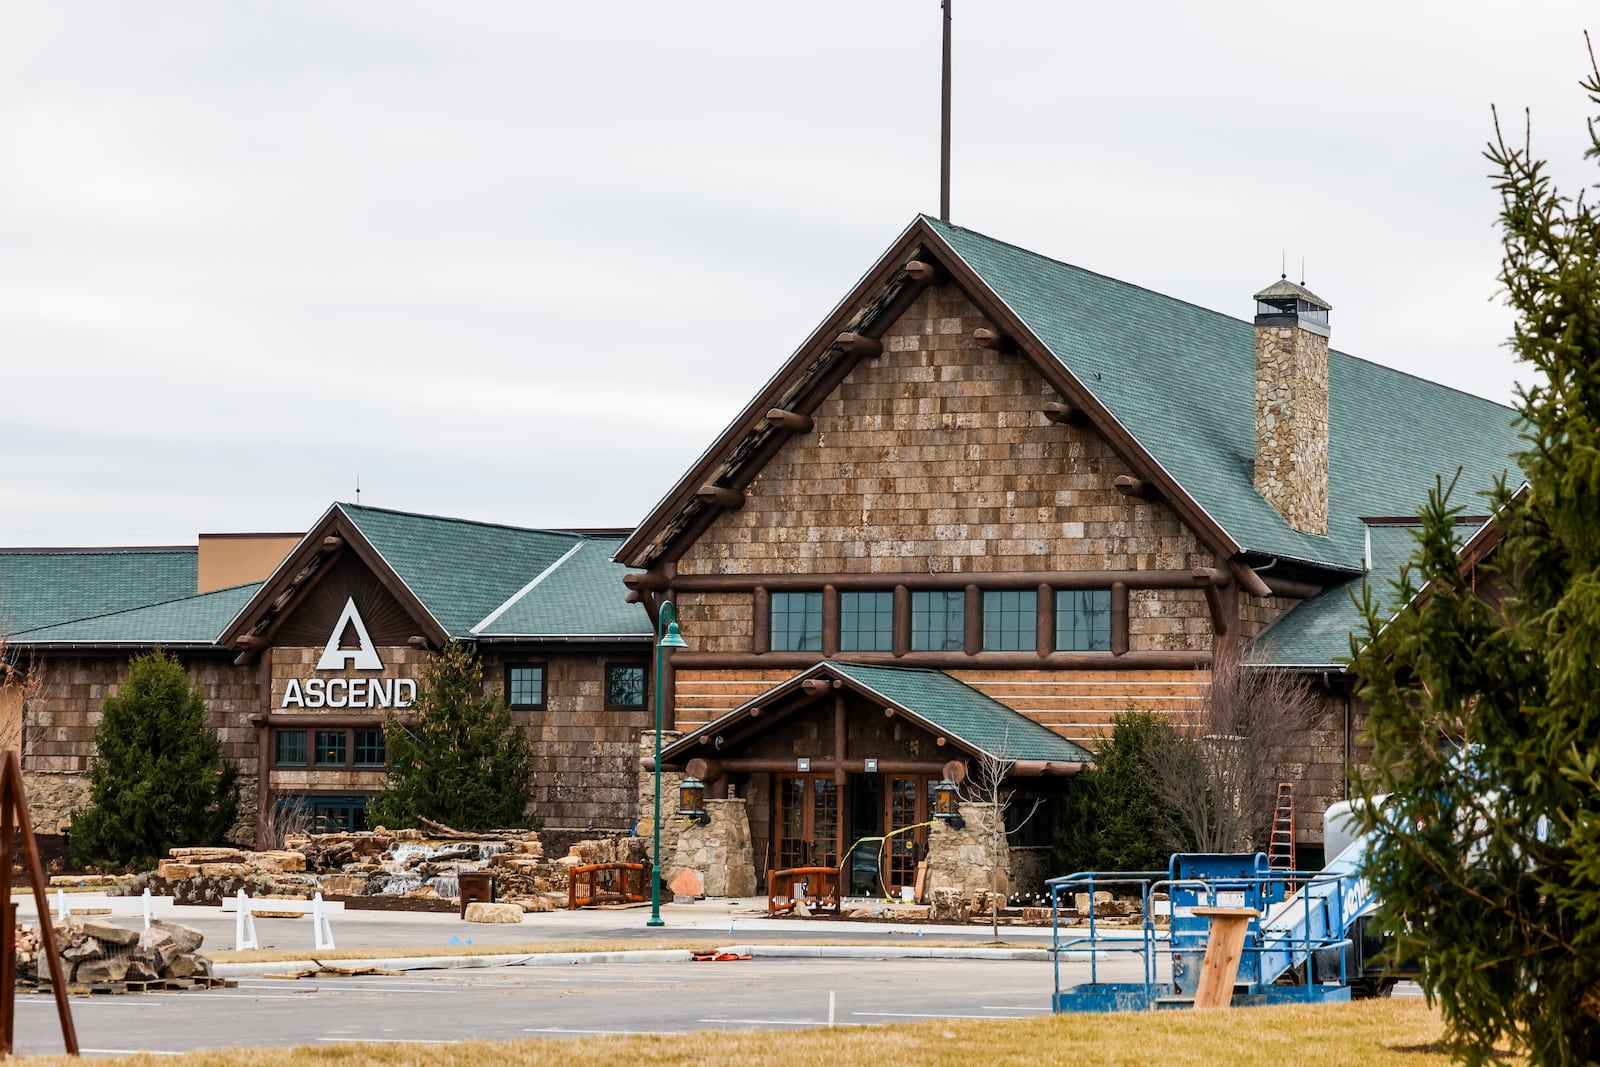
{"points": [[1485, 711], [457, 757], [157, 779], [1114, 816]]}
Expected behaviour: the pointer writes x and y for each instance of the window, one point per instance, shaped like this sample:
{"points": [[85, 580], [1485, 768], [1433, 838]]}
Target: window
{"points": [[330, 748], [797, 622], [866, 622], [1083, 620], [370, 748], [323, 815], [291, 748], [1011, 620], [624, 685], [525, 685], [939, 621]]}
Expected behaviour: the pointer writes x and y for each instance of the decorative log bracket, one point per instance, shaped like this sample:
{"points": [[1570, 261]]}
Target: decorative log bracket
{"points": [[921, 270], [780, 419], [1064, 414], [1128, 485], [856, 344], [721, 496], [993, 341]]}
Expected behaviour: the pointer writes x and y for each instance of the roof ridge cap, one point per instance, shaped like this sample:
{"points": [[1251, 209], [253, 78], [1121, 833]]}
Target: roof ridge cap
{"points": [[552, 531]]}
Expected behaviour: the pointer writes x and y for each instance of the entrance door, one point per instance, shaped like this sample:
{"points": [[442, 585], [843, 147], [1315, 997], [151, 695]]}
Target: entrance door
{"points": [[807, 821], [906, 804]]}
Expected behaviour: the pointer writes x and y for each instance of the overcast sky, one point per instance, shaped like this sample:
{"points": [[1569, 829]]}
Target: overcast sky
{"points": [[522, 261]]}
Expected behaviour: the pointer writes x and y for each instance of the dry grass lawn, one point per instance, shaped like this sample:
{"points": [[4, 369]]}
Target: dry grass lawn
{"points": [[1396, 1033]]}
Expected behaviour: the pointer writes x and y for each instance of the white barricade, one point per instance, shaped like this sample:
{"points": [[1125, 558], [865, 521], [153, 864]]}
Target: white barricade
{"points": [[244, 926], [64, 904]]}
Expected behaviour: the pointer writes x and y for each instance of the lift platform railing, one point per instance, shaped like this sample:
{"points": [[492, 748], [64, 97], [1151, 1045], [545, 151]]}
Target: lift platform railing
{"points": [[1297, 929]]}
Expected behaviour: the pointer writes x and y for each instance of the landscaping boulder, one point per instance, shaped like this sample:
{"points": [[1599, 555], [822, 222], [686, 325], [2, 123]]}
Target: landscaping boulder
{"points": [[108, 933], [184, 938], [484, 912]]}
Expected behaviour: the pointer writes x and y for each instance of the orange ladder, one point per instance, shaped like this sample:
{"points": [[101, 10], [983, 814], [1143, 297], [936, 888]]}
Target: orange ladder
{"points": [[1280, 848]]}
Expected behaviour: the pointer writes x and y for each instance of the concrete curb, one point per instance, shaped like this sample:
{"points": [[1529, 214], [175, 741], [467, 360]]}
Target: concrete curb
{"points": [[568, 959]]}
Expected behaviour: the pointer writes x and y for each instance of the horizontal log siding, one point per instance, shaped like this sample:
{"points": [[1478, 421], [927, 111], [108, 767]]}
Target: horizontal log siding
{"points": [[705, 695], [936, 456], [1079, 705]]}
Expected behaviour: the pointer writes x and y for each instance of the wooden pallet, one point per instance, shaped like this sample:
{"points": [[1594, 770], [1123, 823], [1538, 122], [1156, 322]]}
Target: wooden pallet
{"points": [[163, 985]]}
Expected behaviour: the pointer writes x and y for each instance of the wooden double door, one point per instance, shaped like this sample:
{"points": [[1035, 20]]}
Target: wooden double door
{"points": [[815, 822]]}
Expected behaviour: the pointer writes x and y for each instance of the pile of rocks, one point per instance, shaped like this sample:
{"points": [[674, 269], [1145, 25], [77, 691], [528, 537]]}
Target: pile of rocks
{"points": [[96, 952]]}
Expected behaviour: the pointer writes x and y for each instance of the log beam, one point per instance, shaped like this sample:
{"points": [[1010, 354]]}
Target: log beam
{"points": [[780, 583], [780, 419], [689, 659], [721, 496], [858, 344], [331, 542], [922, 270]]}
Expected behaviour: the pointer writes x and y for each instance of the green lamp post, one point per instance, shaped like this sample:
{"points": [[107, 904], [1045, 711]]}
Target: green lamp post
{"points": [[667, 617]]}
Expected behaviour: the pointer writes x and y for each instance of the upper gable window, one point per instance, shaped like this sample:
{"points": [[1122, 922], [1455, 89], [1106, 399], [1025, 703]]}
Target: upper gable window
{"points": [[1083, 620], [938, 620], [1010, 620], [866, 622], [797, 622]]}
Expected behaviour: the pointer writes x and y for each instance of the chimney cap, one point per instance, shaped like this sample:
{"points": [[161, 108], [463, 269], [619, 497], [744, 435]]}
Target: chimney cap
{"points": [[1284, 290]]}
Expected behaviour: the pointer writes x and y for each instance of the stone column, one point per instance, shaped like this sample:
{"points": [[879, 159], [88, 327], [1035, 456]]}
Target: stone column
{"points": [[719, 852], [973, 860]]}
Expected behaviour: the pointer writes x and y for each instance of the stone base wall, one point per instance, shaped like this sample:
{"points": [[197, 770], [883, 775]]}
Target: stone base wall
{"points": [[719, 851], [52, 798], [973, 859]]}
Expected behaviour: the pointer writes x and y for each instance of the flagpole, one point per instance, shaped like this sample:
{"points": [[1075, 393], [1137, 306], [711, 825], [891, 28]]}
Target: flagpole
{"points": [[944, 125]]}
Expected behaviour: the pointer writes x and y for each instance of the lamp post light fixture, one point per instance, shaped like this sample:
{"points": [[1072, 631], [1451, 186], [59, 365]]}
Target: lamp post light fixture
{"points": [[946, 803], [667, 617], [692, 800]]}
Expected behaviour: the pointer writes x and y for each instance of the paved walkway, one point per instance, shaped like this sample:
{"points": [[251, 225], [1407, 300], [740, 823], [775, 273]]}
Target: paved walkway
{"points": [[719, 921]]}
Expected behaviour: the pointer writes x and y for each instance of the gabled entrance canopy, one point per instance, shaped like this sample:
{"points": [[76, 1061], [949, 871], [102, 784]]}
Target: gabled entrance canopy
{"points": [[963, 724]]}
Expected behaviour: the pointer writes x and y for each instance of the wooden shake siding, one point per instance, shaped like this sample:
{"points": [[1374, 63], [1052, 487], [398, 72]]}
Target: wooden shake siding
{"points": [[1078, 705]]}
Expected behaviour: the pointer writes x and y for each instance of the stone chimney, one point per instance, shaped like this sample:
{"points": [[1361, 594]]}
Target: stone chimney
{"points": [[1292, 404]]}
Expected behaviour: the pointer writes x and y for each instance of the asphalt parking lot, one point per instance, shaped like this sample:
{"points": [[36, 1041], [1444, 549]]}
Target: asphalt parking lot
{"points": [[550, 1002]]}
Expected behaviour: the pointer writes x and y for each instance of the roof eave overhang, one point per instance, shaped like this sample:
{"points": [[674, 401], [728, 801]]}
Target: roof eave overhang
{"points": [[288, 575]]}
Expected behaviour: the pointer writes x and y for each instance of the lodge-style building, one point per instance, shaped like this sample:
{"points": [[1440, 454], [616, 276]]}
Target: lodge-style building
{"points": [[992, 501]]}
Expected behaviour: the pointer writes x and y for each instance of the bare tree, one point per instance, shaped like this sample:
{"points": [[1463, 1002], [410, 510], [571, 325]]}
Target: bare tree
{"points": [[19, 683], [989, 785], [1218, 770]]}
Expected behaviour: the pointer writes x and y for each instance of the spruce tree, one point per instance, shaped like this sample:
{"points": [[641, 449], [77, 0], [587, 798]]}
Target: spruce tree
{"points": [[157, 779], [1485, 709], [456, 757], [1114, 816]]}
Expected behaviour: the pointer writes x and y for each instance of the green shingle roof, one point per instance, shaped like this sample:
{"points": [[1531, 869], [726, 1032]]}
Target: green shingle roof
{"points": [[980, 721], [1317, 632], [581, 596], [1181, 379], [193, 620], [42, 588], [463, 572]]}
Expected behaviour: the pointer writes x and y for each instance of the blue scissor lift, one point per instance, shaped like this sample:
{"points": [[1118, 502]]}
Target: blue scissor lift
{"points": [[1296, 951]]}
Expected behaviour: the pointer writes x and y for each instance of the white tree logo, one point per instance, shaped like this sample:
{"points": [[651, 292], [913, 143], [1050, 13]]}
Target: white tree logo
{"points": [[364, 658]]}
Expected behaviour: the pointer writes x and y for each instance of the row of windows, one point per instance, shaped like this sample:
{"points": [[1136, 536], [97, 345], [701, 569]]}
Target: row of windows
{"points": [[525, 685], [939, 618], [329, 748]]}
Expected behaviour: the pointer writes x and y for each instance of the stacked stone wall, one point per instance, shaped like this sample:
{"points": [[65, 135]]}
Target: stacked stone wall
{"points": [[584, 755]]}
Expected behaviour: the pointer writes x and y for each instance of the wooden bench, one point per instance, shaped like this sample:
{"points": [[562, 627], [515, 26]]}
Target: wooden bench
{"points": [[819, 889], [606, 883]]}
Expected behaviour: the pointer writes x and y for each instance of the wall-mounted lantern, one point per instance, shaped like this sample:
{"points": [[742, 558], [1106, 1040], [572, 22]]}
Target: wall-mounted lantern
{"points": [[692, 800], [946, 803]]}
